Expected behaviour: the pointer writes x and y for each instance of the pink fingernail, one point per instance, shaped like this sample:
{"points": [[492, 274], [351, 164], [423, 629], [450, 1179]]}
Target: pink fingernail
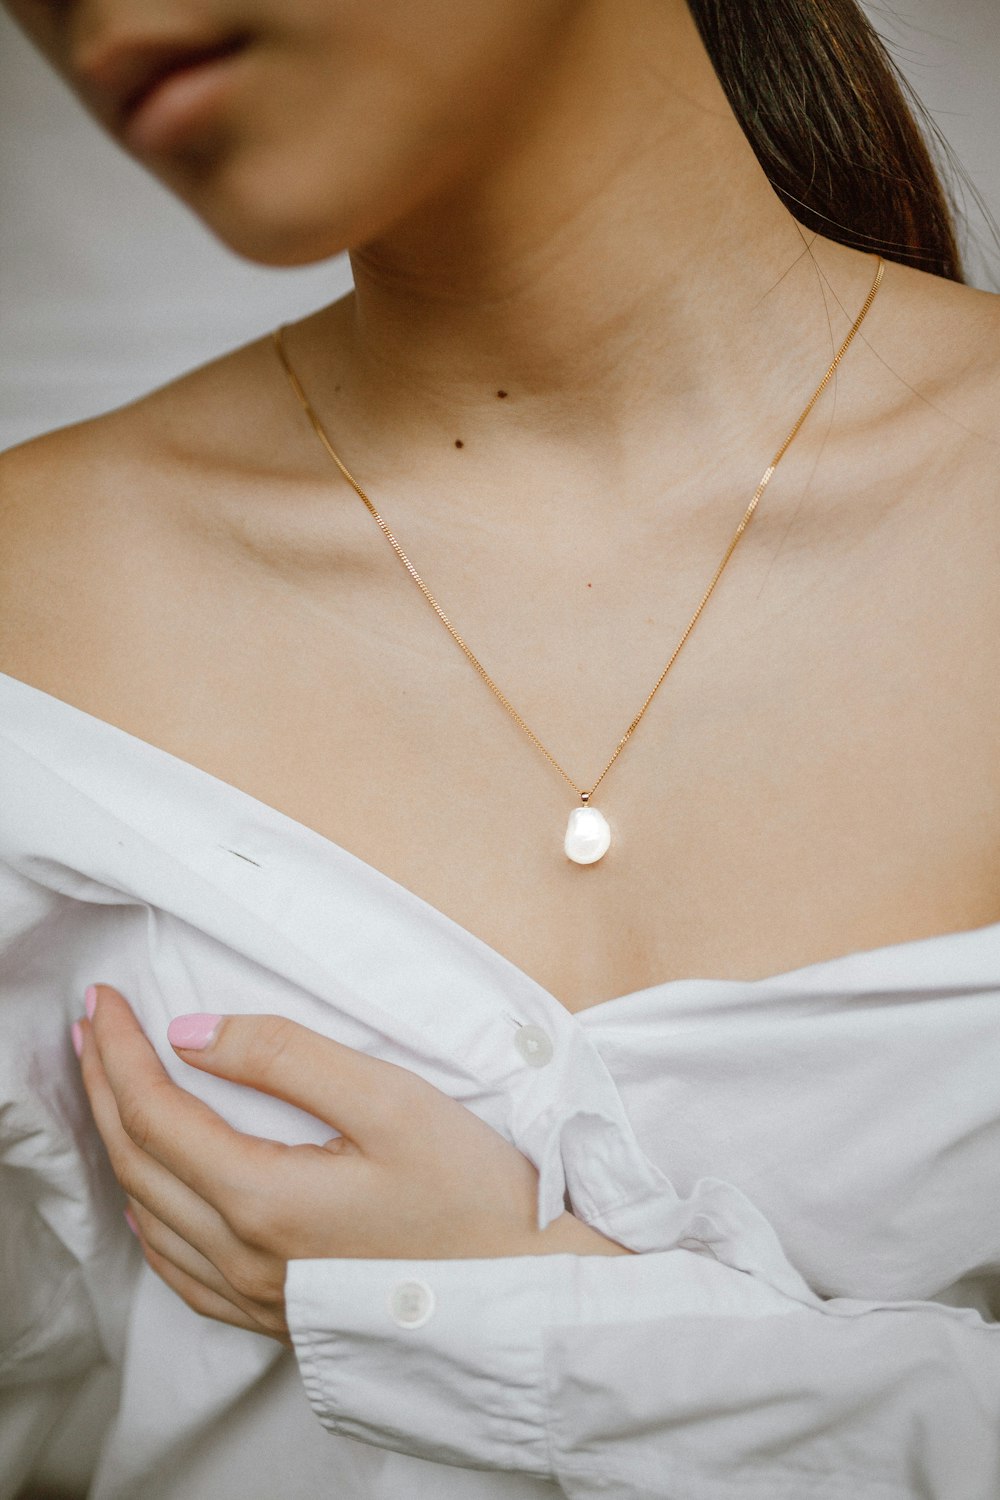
{"points": [[192, 1032], [90, 1001], [76, 1033], [130, 1221]]}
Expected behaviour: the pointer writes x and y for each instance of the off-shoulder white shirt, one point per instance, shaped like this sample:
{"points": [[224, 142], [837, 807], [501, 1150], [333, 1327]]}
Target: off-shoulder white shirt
{"points": [[809, 1164]]}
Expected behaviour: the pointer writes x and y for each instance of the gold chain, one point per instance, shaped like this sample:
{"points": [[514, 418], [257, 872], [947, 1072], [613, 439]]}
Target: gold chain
{"points": [[585, 796]]}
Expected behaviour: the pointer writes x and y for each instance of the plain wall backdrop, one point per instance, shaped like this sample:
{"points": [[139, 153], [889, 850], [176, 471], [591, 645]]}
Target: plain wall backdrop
{"points": [[109, 287]]}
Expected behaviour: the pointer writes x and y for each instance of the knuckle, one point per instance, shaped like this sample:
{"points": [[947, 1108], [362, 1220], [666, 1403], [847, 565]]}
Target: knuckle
{"points": [[272, 1321], [249, 1219], [166, 1271], [251, 1280], [151, 1231], [252, 1210], [156, 1258], [198, 1297], [135, 1120], [137, 1113], [200, 1300], [267, 1044], [123, 1167], [157, 1241]]}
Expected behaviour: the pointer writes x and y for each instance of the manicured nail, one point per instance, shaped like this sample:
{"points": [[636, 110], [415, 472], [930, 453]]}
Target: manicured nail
{"points": [[192, 1032], [90, 1001], [130, 1221], [76, 1033]]}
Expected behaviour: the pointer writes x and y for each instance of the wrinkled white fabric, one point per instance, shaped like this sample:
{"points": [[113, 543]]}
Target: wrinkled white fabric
{"points": [[808, 1164]]}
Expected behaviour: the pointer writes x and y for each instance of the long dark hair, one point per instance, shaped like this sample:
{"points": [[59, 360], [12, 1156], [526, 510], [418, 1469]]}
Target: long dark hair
{"points": [[834, 125]]}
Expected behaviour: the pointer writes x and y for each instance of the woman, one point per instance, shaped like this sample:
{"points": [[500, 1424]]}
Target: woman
{"points": [[445, 1103]]}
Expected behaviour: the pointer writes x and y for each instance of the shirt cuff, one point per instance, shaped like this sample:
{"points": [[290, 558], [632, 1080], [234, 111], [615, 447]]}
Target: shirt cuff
{"points": [[446, 1360], [438, 1359]]}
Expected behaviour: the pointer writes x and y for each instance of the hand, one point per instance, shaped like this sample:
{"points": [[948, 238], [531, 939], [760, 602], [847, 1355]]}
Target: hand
{"points": [[413, 1174]]}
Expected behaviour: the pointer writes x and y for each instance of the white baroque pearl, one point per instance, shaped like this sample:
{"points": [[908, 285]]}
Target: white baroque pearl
{"points": [[588, 836]]}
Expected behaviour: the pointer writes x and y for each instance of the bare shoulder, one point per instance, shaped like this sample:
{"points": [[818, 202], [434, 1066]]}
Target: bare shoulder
{"points": [[933, 430], [96, 518], [205, 418], [945, 342]]}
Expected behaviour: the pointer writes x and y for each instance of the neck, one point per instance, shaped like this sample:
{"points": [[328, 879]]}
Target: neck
{"points": [[612, 256]]}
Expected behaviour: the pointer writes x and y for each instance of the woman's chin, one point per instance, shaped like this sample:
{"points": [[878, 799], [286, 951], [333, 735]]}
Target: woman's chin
{"points": [[272, 246], [267, 227], [267, 217]]}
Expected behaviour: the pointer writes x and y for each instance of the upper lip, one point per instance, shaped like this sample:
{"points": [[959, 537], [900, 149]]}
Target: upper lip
{"points": [[120, 72]]}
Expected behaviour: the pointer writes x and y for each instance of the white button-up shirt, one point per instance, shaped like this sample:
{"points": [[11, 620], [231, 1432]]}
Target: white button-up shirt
{"points": [[808, 1164]]}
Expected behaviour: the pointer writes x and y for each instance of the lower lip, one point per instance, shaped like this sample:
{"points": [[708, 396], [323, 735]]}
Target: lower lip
{"points": [[187, 102]]}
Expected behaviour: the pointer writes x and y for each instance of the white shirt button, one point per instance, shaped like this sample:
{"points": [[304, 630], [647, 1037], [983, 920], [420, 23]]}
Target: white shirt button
{"points": [[534, 1045], [411, 1304]]}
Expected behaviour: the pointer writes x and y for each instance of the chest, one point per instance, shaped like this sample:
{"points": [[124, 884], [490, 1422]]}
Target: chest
{"points": [[816, 774]]}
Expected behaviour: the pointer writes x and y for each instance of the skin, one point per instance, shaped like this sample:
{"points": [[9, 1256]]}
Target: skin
{"points": [[552, 200]]}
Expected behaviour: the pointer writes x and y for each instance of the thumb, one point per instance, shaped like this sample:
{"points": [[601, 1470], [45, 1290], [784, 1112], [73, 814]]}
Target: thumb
{"points": [[358, 1095]]}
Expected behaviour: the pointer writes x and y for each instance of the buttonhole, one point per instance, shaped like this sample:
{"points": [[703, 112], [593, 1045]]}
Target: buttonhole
{"points": [[241, 856]]}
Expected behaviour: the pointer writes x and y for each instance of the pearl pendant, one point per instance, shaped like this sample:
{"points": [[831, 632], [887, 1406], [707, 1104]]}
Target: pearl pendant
{"points": [[588, 836]]}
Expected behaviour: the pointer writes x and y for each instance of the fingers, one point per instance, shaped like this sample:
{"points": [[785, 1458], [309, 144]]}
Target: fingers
{"points": [[158, 1237], [230, 1280], [228, 1195], [360, 1096], [255, 1290], [136, 1102], [368, 1100], [143, 1177], [186, 1238], [208, 1302]]}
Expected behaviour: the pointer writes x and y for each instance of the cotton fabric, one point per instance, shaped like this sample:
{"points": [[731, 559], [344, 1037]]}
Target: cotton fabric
{"points": [[807, 1165]]}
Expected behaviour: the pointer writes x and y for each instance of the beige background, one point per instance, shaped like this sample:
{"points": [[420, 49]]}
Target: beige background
{"points": [[108, 287]]}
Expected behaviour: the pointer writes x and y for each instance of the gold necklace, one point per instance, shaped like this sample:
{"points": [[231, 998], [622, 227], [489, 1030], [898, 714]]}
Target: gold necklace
{"points": [[588, 834]]}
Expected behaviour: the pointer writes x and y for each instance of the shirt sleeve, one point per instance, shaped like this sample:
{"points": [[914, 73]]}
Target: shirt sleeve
{"points": [[666, 1374]]}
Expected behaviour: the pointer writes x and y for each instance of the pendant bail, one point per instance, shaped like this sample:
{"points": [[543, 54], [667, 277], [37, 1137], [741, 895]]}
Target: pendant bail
{"points": [[584, 798]]}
